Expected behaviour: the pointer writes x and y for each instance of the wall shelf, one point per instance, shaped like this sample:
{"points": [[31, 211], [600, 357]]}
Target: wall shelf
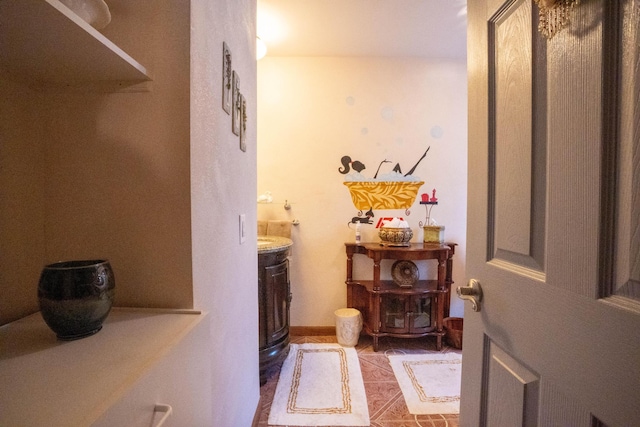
{"points": [[44, 42]]}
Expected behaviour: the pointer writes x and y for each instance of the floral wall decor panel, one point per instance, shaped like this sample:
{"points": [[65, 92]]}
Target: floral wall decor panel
{"points": [[386, 190], [383, 195]]}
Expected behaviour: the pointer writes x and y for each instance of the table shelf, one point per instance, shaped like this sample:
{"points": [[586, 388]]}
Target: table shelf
{"points": [[389, 287]]}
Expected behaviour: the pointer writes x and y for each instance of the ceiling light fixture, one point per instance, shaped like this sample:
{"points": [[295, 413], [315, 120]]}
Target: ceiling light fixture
{"points": [[261, 49]]}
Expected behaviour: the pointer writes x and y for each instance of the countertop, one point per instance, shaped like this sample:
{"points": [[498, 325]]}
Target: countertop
{"points": [[269, 244]]}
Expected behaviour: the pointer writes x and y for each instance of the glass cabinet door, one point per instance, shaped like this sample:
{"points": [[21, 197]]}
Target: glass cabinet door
{"points": [[393, 313], [421, 311], [407, 314]]}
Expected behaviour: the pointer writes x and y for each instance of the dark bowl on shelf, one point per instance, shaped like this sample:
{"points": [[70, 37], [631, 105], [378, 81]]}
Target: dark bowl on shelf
{"points": [[75, 297]]}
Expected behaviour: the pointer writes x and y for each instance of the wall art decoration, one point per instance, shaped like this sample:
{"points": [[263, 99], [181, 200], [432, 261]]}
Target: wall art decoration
{"points": [[366, 219], [429, 202], [393, 190], [383, 195], [243, 122], [226, 78], [236, 104]]}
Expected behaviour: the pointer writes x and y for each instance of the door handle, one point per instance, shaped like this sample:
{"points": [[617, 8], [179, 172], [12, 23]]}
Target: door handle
{"points": [[472, 292]]}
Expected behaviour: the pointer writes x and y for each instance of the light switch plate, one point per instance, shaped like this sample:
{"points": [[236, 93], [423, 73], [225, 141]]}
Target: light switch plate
{"points": [[242, 230]]}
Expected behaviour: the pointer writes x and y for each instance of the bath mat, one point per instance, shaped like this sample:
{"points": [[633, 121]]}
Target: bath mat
{"points": [[430, 383], [320, 385]]}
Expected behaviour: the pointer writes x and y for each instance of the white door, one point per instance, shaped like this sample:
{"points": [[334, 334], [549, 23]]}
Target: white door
{"points": [[554, 217]]}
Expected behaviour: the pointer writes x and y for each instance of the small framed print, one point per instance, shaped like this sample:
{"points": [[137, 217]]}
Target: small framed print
{"points": [[243, 123], [226, 78], [236, 104]]}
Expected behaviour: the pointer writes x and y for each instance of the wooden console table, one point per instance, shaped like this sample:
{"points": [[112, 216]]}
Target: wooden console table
{"points": [[406, 312]]}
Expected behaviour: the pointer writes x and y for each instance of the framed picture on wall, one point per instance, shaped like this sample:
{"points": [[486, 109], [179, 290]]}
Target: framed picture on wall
{"points": [[226, 78], [236, 104], [243, 123]]}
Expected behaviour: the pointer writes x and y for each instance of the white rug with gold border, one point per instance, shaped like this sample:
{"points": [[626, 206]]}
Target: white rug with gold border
{"points": [[430, 383], [320, 385]]}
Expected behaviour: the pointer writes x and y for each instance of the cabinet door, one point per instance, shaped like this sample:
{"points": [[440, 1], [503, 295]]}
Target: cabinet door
{"points": [[277, 299], [407, 314], [421, 314], [262, 308], [393, 313]]}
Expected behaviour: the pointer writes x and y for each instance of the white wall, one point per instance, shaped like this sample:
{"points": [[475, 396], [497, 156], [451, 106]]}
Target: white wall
{"points": [[22, 208], [311, 112], [223, 186]]}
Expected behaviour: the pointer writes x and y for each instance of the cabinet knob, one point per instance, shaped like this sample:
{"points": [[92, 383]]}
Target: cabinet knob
{"points": [[472, 292]]}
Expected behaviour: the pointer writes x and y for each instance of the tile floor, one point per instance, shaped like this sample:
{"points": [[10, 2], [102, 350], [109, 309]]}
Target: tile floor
{"points": [[386, 404]]}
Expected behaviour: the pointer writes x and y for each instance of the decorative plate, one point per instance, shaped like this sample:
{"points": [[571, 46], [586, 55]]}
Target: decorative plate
{"points": [[404, 273]]}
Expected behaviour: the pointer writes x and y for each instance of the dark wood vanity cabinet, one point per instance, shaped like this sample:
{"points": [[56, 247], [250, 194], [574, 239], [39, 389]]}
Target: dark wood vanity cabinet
{"points": [[273, 307]]}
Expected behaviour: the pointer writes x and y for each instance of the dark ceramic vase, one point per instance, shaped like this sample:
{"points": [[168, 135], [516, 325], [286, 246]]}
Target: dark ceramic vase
{"points": [[76, 296]]}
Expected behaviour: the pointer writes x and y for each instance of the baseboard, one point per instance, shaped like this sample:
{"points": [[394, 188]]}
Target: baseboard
{"points": [[301, 331]]}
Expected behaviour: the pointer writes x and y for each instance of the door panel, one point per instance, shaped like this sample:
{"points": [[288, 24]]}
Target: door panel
{"points": [[512, 103], [627, 282], [575, 77], [549, 121], [509, 380], [517, 166]]}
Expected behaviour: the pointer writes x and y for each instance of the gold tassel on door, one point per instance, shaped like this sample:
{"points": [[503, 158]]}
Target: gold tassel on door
{"points": [[554, 15]]}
